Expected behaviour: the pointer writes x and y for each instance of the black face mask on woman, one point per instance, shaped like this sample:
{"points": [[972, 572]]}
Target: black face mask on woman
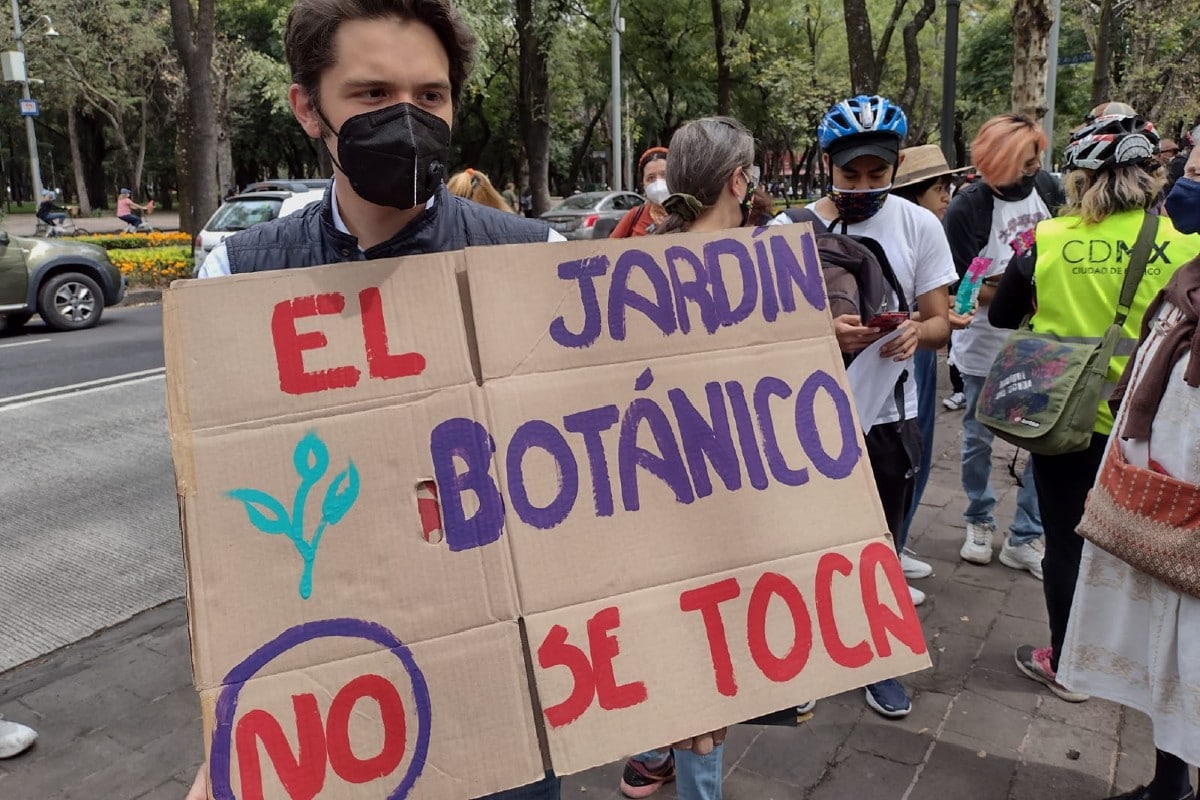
{"points": [[1016, 191], [394, 156]]}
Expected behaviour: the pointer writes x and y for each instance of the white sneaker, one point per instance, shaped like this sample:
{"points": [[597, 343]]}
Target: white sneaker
{"points": [[955, 402], [15, 738], [914, 568], [977, 548], [1026, 556], [916, 595]]}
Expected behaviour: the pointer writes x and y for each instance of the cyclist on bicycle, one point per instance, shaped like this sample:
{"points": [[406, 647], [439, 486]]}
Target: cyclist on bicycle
{"points": [[49, 213], [125, 209]]}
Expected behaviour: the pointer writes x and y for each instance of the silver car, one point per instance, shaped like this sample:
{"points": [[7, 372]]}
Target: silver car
{"points": [[591, 215]]}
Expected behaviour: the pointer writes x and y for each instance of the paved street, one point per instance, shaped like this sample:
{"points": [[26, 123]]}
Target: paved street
{"points": [[89, 533], [118, 718], [26, 224]]}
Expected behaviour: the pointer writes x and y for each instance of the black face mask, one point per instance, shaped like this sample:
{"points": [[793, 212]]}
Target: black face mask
{"points": [[1016, 191], [395, 156]]}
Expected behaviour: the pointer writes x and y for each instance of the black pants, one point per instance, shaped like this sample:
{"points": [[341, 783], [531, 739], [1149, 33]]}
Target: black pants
{"points": [[1172, 777], [956, 381], [1062, 487], [895, 452]]}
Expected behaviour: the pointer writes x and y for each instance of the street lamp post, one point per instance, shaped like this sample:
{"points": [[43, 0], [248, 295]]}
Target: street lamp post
{"points": [[35, 167], [618, 26], [949, 77]]}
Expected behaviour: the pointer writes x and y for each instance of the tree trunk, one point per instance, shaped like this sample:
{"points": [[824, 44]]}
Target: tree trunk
{"points": [[862, 57], [139, 165], [85, 203], [183, 174], [718, 17], [912, 56], [1031, 21], [193, 34], [225, 179], [581, 152], [94, 149], [1102, 74], [534, 104]]}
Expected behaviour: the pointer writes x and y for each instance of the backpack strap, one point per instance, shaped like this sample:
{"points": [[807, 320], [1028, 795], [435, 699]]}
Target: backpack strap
{"points": [[1138, 258], [805, 214]]}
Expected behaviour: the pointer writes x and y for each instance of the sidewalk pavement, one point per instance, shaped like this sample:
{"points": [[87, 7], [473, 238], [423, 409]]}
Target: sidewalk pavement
{"points": [[26, 224], [119, 720]]}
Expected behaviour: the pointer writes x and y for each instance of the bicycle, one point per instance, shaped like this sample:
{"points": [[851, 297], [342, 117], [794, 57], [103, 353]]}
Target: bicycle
{"points": [[144, 226], [65, 227]]}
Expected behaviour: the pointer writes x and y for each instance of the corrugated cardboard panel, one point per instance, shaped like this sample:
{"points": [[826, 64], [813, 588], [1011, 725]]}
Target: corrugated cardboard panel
{"points": [[681, 659], [319, 519], [298, 342], [542, 309], [626, 476], [407, 715]]}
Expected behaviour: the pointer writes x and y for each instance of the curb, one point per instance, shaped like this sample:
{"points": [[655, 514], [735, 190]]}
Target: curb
{"points": [[135, 297]]}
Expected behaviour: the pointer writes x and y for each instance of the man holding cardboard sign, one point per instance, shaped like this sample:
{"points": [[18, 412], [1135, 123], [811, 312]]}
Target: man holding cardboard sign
{"points": [[686, 388]]}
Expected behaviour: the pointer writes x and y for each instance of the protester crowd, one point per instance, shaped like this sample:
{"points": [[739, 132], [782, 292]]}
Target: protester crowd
{"points": [[962, 266]]}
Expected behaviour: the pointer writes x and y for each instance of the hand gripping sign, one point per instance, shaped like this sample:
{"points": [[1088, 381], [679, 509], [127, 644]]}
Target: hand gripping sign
{"points": [[629, 471]]}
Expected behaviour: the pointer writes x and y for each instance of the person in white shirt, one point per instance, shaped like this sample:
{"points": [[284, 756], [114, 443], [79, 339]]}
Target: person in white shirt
{"points": [[860, 140]]}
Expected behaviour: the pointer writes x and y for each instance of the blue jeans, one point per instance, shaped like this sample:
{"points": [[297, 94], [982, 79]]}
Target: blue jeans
{"points": [[925, 367], [547, 788], [977, 471], [696, 777]]}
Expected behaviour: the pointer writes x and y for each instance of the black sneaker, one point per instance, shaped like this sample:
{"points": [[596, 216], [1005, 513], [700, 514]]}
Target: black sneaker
{"points": [[639, 781]]}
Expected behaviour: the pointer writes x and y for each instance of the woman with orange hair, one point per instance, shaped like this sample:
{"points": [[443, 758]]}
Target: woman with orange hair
{"points": [[646, 217], [475, 186], [984, 222]]}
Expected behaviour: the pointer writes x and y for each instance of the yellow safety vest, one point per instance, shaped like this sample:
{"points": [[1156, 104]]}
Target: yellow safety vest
{"points": [[1078, 277]]}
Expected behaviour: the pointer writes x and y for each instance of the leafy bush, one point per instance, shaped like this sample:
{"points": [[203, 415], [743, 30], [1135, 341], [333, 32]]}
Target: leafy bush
{"points": [[133, 241], [153, 266]]}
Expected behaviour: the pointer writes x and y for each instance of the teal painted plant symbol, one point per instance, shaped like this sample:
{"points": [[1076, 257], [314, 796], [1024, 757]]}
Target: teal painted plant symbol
{"points": [[311, 460]]}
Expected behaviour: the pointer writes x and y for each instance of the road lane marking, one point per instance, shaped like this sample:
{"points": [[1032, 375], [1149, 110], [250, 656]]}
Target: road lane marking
{"points": [[23, 342], [76, 389]]}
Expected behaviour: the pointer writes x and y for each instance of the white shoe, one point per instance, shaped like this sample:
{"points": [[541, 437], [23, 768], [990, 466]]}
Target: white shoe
{"points": [[955, 402], [914, 568], [977, 547], [15, 738], [1026, 556], [916, 595]]}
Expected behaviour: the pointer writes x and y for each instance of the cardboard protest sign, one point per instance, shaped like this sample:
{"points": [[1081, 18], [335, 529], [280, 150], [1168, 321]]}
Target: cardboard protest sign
{"points": [[653, 501]]}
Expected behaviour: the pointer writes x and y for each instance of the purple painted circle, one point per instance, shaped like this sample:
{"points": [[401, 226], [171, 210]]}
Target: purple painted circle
{"points": [[220, 759]]}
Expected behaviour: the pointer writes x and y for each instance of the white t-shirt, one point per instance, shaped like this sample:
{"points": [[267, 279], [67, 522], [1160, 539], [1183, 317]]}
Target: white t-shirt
{"points": [[919, 253], [217, 261], [976, 347]]}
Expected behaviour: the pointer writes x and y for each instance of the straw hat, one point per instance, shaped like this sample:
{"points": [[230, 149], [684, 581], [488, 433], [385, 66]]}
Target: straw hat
{"points": [[922, 163]]}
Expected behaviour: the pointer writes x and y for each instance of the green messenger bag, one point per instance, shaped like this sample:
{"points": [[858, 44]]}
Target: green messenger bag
{"points": [[1043, 392]]}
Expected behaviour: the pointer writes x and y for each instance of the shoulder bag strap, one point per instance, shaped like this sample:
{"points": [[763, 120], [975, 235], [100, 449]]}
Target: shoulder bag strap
{"points": [[1137, 266]]}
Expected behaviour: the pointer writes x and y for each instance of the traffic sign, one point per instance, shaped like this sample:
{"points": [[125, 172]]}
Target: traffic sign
{"points": [[1078, 58], [30, 108]]}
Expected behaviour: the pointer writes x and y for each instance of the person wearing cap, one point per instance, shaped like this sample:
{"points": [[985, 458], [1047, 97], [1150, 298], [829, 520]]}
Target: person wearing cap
{"points": [[986, 221], [860, 141], [125, 209], [646, 217]]}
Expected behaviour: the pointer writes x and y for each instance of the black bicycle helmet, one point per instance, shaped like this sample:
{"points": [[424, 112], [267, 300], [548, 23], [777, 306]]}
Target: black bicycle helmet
{"points": [[1112, 140]]}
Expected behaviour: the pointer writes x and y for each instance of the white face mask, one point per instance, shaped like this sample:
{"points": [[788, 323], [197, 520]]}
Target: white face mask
{"points": [[657, 191]]}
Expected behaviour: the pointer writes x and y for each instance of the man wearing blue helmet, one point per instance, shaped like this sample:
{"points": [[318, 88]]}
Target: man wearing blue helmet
{"points": [[860, 141]]}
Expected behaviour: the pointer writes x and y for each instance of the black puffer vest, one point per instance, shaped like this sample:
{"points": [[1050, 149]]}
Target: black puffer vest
{"points": [[308, 238]]}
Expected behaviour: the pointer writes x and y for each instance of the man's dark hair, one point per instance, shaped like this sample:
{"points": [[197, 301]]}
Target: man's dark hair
{"points": [[312, 25]]}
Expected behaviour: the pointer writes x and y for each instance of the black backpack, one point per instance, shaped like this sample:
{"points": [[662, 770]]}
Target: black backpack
{"points": [[856, 270]]}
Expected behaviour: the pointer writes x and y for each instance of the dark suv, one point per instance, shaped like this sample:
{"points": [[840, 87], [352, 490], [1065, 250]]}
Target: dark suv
{"points": [[67, 283]]}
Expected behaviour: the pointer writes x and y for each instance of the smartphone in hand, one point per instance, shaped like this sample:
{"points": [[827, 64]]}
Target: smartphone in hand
{"points": [[888, 320]]}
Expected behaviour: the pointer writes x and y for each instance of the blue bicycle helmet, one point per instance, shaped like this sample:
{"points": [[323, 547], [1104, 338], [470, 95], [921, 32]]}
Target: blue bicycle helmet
{"points": [[861, 115]]}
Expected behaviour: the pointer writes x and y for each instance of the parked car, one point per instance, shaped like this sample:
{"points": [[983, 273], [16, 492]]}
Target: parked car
{"points": [[246, 209], [287, 185], [591, 215], [68, 283]]}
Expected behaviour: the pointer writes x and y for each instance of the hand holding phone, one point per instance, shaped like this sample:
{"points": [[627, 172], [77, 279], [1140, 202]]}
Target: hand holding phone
{"points": [[888, 320]]}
